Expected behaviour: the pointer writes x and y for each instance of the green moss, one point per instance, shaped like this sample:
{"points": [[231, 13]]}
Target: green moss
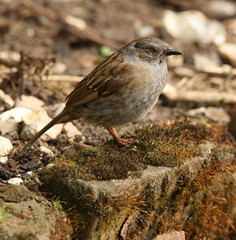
{"points": [[167, 145]]}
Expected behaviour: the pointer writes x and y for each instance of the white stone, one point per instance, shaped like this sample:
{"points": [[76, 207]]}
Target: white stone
{"points": [[208, 58], [30, 173], [47, 151], [16, 113], [58, 68], [6, 99], [193, 26], [71, 130], [15, 181], [3, 160], [34, 122], [146, 31], [217, 114], [219, 8], [5, 146], [8, 126], [228, 52], [29, 102], [174, 235]]}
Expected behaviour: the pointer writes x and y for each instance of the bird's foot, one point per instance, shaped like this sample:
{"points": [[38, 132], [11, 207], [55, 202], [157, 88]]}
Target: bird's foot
{"points": [[125, 142]]}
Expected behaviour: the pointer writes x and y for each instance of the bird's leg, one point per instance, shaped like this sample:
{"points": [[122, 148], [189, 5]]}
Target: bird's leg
{"points": [[120, 141]]}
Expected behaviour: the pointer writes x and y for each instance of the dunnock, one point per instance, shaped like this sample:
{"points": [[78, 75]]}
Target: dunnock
{"points": [[123, 88]]}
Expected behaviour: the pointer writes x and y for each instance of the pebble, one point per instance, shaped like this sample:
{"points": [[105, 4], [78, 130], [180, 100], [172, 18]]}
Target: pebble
{"points": [[59, 68], [16, 113], [5, 146], [28, 166], [6, 100], [228, 52], [30, 102], [3, 160], [217, 114], [221, 9], [207, 58], [5, 175], [71, 130], [146, 31], [36, 121], [47, 151], [175, 235], [15, 181], [30, 173], [193, 26], [8, 126]]}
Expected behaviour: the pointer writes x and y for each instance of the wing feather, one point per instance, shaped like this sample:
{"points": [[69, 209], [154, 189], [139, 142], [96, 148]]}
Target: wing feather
{"points": [[108, 77]]}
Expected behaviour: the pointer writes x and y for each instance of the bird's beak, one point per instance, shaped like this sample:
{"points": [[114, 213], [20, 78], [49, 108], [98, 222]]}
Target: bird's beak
{"points": [[171, 51]]}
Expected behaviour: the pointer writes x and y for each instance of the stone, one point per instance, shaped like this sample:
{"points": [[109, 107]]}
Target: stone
{"points": [[34, 122], [146, 31], [217, 114], [220, 9], [228, 52], [28, 166], [59, 68], [193, 26], [174, 235], [8, 126], [30, 102], [207, 58], [71, 130], [16, 113], [15, 181], [6, 100], [28, 216], [5, 175], [5, 146], [47, 151], [3, 160]]}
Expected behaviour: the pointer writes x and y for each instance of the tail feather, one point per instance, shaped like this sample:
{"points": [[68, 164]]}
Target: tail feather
{"points": [[60, 118]]}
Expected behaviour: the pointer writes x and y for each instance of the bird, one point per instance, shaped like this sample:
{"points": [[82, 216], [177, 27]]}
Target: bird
{"points": [[122, 88]]}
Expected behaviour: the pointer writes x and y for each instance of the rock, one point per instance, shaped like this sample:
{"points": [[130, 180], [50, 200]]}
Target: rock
{"points": [[71, 130], [175, 235], [15, 181], [35, 122], [30, 173], [47, 151], [5, 146], [8, 126], [220, 9], [28, 166], [228, 52], [217, 114], [196, 111], [193, 26], [29, 102], [207, 58], [16, 113], [58, 68], [6, 100], [33, 217], [146, 31], [155, 184], [5, 175], [3, 160]]}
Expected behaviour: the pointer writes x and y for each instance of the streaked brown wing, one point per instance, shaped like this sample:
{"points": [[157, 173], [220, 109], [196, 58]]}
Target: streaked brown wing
{"points": [[105, 79]]}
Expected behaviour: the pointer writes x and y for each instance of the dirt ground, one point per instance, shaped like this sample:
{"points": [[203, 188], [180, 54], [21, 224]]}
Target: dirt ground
{"points": [[42, 38]]}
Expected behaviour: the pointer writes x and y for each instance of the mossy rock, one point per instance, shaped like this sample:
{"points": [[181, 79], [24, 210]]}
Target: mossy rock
{"points": [[109, 186]]}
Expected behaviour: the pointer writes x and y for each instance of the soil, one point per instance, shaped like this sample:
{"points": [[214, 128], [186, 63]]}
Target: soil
{"points": [[40, 38]]}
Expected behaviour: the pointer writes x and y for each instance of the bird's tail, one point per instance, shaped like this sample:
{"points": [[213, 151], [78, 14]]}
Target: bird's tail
{"points": [[60, 118]]}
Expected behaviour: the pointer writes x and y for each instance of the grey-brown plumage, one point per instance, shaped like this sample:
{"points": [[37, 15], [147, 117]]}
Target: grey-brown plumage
{"points": [[123, 88]]}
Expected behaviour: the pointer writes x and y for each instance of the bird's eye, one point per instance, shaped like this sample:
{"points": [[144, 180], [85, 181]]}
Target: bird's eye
{"points": [[152, 50]]}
